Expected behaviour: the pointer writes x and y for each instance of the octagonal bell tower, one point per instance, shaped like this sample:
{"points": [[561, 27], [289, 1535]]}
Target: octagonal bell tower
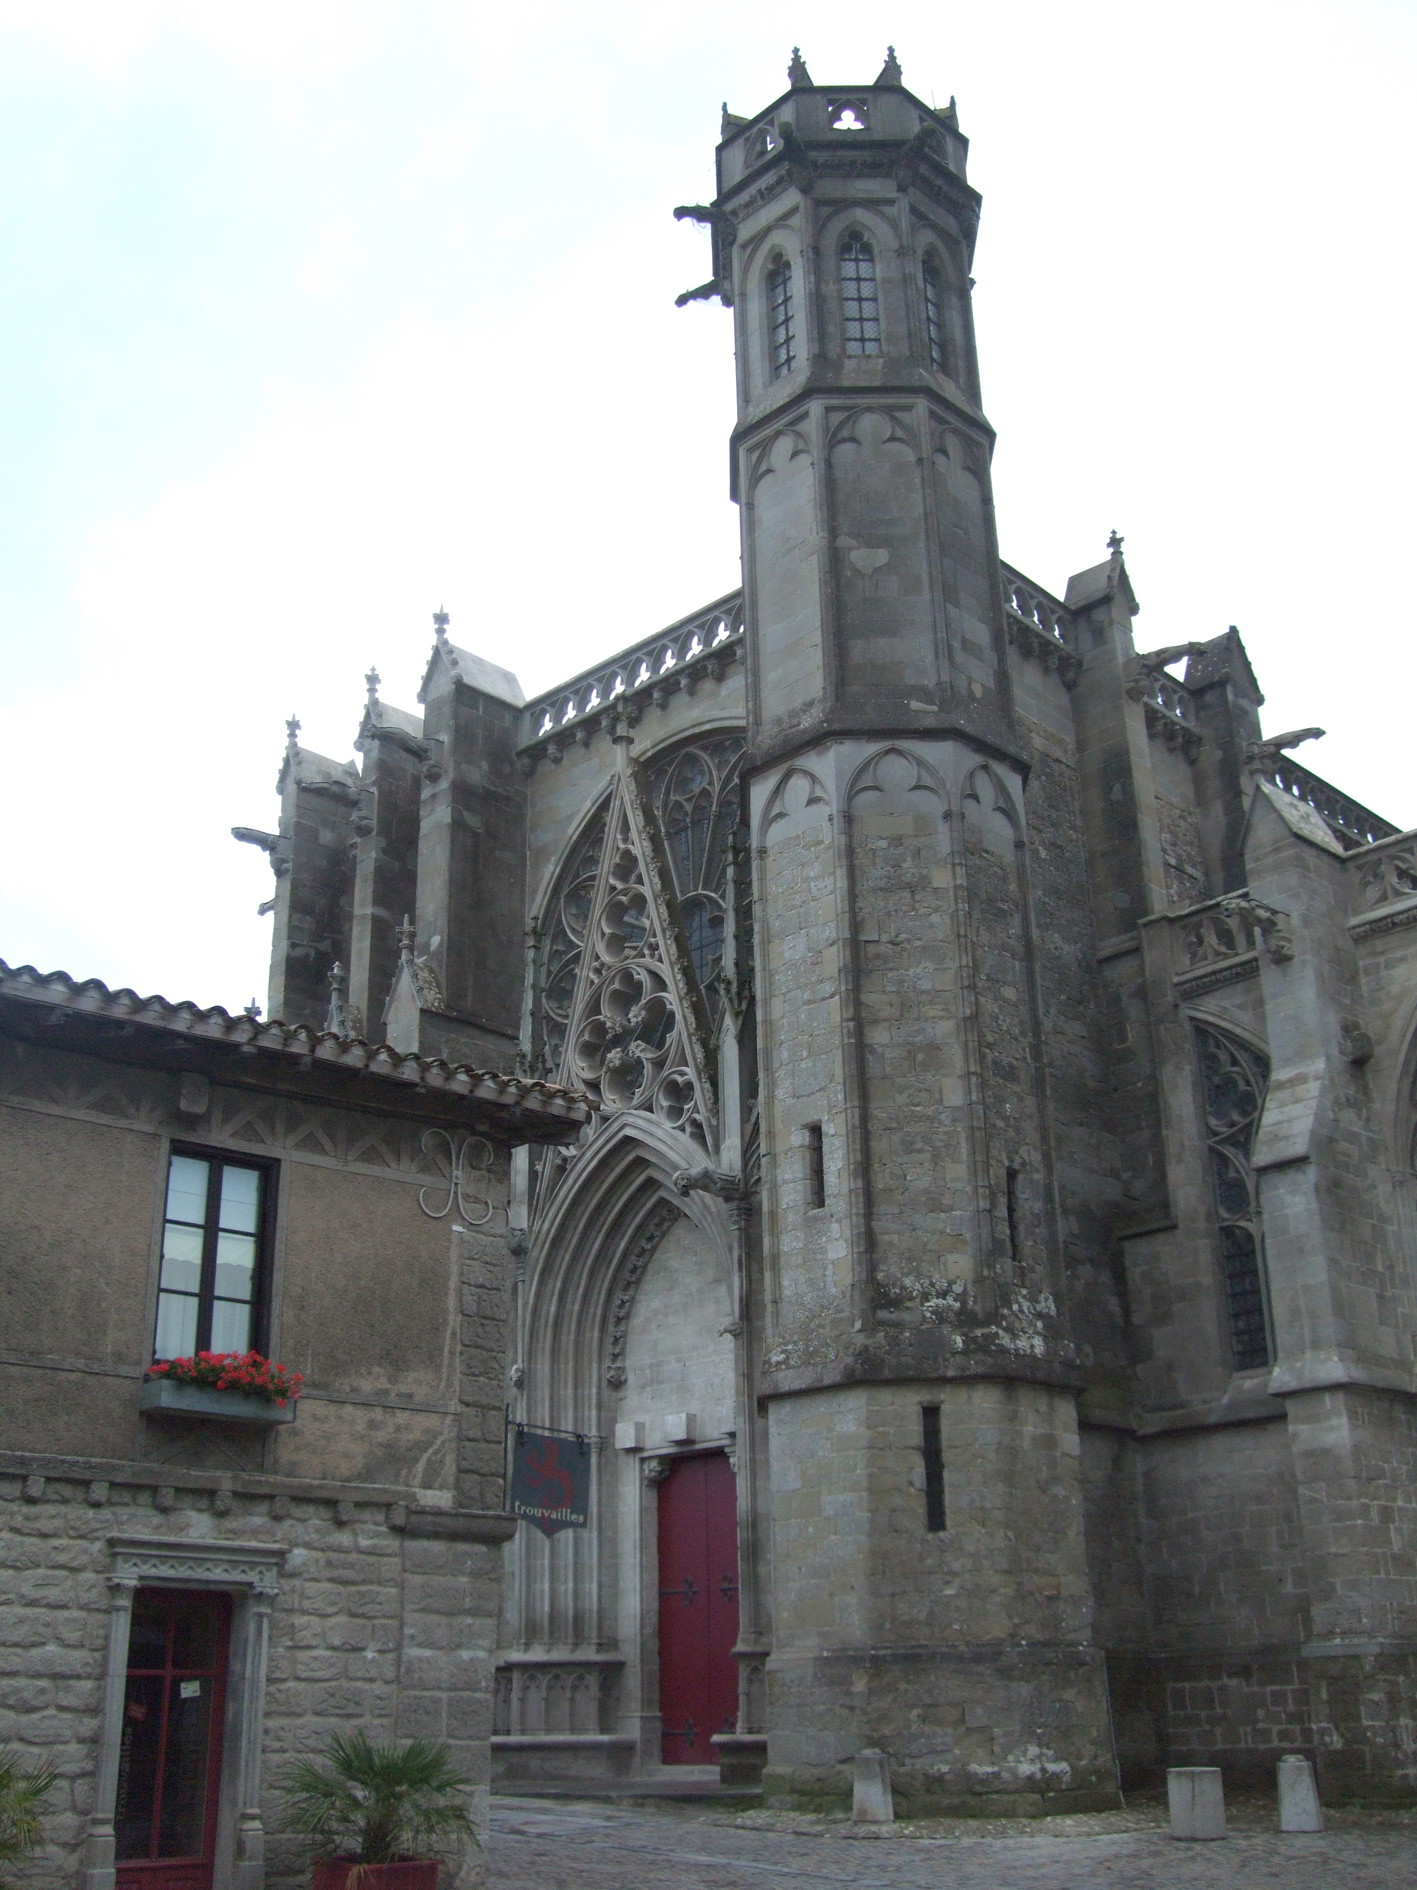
{"points": [[928, 1580]]}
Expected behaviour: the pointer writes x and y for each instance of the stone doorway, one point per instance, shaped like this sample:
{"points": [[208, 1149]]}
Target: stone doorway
{"points": [[698, 1607], [169, 1761]]}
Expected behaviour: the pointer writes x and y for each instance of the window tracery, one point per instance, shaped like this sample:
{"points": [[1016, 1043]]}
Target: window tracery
{"points": [[632, 963], [860, 303], [1234, 1078], [568, 917], [696, 796]]}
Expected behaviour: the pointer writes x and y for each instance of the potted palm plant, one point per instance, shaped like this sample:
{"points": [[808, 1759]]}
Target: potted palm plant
{"points": [[22, 1796], [382, 1816]]}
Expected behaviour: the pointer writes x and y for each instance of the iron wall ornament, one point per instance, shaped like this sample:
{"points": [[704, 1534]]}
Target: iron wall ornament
{"points": [[1234, 1077], [466, 1156]]}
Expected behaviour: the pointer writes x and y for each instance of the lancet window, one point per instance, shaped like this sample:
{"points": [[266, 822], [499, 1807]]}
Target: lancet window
{"points": [[566, 923], [696, 796], [1234, 1078], [781, 331], [860, 304], [934, 313]]}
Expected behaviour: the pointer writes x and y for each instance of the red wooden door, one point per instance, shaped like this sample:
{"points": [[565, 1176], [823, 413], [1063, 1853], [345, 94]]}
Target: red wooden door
{"points": [[169, 1765], [698, 1607]]}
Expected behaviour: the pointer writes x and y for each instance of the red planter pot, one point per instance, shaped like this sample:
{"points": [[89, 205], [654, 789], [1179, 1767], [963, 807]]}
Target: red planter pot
{"points": [[419, 1873]]}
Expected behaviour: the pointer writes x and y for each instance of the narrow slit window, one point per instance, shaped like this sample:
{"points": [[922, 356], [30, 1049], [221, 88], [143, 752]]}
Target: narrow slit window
{"points": [[934, 314], [1011, 1210], [781, 330], [860, 305], [934, 1469], [816, 1169]]}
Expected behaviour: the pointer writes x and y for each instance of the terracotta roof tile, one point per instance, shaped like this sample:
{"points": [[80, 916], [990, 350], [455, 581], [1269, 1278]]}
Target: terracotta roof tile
{"points": [[88, 997]]}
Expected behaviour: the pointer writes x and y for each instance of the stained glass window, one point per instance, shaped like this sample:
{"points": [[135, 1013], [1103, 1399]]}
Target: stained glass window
{"points": [[1234, 1078]]}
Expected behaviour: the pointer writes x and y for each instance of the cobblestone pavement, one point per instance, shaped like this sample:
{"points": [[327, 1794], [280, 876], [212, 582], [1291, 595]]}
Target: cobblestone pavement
{"points": [[544, 1844]]}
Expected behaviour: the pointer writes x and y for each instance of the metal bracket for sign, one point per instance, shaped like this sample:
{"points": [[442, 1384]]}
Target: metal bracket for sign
{"points": [[590, 1439]]}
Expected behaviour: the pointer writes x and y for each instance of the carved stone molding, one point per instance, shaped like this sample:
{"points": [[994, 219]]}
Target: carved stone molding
{"points": [[1389, 877], [1387, 919], [661, 1218], [254, 1565]]}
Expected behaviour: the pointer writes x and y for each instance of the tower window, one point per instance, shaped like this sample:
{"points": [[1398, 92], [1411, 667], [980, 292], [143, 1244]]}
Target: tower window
{"points": [[934, 314], [780, 325], [816, 1167], [860, 306]]}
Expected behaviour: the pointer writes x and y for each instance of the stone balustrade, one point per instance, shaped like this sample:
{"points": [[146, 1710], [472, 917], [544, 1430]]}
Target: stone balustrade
{"points": [[1353, 824], [672, 659], [1039, 627]]}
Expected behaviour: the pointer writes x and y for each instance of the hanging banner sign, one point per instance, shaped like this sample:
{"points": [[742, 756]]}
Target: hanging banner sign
{"points": [[550, 1479]]}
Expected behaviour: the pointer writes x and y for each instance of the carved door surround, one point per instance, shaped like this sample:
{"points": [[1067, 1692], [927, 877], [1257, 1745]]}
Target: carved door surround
{"points": [[248, 1572]]}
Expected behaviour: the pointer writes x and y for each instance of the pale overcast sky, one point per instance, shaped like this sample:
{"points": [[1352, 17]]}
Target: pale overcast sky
{"points": [[318, 316]]}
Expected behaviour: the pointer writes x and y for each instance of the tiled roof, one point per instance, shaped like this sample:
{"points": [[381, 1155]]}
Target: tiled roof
{"points": [[555, 1111]]}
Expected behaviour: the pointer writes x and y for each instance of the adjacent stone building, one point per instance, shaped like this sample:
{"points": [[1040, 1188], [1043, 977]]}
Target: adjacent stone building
{"points": [[984, 1277], [196, 1589]]}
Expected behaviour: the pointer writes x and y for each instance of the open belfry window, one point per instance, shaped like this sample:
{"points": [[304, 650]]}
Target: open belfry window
{"points": [[213, 1254], [860, 303], [781, 336], [934, 313]]}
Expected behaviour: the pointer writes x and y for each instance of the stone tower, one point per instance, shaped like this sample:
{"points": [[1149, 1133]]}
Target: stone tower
{"points": [[913, 1335]]}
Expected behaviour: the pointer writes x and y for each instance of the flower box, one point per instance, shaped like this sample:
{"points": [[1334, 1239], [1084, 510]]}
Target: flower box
{"points": [[165, 1396], [415, 1873]]}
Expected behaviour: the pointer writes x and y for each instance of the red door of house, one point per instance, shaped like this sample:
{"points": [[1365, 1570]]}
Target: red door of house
{"points": [[169, 1762], [698, 1607]]}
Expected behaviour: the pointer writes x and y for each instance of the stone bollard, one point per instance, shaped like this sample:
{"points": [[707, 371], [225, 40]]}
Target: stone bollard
{"points": [[1299, 1807], [1197, 1799], [871, 1801]]}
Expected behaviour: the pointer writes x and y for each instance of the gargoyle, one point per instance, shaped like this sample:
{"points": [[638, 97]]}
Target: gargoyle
{"points": [[728, 1187], [1153, 660], [703, 213], [1264, 754]]}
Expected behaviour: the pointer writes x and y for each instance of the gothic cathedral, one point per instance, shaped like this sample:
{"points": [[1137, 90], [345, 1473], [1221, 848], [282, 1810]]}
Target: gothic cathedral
{"points": [[985, 1291]]}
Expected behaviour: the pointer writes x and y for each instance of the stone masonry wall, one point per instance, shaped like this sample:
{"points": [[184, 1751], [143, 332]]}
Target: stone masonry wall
{"points": [[965, 1654], [372, 1629], [1080, 1024]]}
